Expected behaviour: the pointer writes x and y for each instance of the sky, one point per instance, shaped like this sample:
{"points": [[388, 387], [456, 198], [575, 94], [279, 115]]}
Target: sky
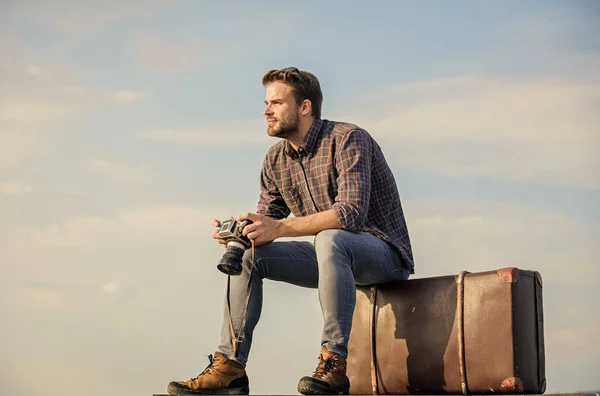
{"points": [[125, 128]]}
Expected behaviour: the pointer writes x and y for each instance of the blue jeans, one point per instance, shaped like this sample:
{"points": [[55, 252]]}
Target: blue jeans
{"points": [[335, 263]]}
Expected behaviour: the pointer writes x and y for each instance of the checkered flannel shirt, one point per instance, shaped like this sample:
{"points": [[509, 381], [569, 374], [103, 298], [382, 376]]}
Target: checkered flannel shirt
{"points": [[338, 166]]}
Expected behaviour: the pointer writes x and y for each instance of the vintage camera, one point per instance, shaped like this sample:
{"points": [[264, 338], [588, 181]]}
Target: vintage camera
{"points": [[231, 232]]}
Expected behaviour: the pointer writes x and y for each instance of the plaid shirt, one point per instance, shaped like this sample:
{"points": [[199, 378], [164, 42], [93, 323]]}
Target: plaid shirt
{"points": [[338, 166]]}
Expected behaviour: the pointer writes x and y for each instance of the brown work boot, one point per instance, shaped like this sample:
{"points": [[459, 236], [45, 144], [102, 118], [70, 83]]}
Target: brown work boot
{"points": [[220, 377], [329, 378]]}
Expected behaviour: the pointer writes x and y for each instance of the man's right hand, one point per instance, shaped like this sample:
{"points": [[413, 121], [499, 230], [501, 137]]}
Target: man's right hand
{"points": [[215, 234]]}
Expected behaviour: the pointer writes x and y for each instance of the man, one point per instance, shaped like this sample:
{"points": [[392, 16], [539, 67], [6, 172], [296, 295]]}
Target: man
{"points": [[334, 179]]}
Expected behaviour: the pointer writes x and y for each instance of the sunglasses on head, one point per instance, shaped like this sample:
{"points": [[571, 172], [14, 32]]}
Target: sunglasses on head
{"points": [[296, 74]]}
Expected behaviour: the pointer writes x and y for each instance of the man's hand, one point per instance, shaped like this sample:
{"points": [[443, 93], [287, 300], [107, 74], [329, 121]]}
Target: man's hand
{"points": [[262, 230], [215, 234]]}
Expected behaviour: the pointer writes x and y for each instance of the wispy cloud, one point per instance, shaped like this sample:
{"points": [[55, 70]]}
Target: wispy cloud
{"points": [[160, 51], [475, 236], [38, 99], [236, 133], [158, 54], [34, 113], [111, 287], [563, 37], [560, 39], [13, 188], [12, 51], [39, 299], [124, 173], [63, 82], [507, 128], [128, 96], [145, 225], [76, 18]]}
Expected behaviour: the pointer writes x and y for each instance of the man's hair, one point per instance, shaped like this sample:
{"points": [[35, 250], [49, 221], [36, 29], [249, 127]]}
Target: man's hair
{"points": [[305, 84]]}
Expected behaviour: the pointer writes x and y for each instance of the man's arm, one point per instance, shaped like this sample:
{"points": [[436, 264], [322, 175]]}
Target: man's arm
{"points": [[270, 201], [265, 229], [354, 164], [308, 225]]}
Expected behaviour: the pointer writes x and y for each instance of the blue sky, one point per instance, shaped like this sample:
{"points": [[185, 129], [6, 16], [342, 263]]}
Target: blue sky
{"points": [[125, 129]]}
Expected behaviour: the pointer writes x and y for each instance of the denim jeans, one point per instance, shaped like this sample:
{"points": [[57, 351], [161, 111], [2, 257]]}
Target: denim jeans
{"points": [[335, 263]]}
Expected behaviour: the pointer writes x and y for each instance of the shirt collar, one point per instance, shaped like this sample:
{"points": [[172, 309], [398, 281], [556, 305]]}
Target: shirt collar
{"points": [[309, 143]]}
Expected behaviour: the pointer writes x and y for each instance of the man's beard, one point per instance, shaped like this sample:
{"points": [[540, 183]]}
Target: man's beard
{"points": [[285, 128]]}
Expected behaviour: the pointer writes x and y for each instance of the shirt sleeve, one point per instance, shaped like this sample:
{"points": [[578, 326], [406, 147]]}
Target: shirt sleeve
{"points": [[270, 201], [353, 163]]}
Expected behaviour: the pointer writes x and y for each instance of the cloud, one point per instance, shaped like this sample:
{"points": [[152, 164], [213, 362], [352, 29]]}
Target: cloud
{"points": [[507, 128], [128, 96], [123, 173], [242, 34], [111, 287], [557, 40], [236, 133], [13, 188], [451, 236], [12, 51], [159, 54], [145, 225], [15, 146], [32, 114], [563, 38], [59, 81], [37, 103], [55, 76], [80, 254], [39, 299], [75, 18]]}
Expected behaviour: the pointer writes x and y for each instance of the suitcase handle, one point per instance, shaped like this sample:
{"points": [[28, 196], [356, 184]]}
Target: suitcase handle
{"points": [[372, 306], [460, 305]]}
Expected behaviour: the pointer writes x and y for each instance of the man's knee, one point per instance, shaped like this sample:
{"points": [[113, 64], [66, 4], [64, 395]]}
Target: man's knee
{"points": [[249, 261], [331, 240], [248, 258]]}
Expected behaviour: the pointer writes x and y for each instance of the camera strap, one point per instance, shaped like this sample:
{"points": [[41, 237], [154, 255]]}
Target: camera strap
{"points": [[235, 340]]}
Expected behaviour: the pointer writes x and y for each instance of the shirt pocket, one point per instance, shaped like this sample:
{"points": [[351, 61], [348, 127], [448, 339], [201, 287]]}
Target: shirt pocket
{"points": [[293, 200]]}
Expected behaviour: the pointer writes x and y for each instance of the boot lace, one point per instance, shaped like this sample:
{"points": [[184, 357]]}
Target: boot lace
{"points": [[212, 363], [325, 367]]}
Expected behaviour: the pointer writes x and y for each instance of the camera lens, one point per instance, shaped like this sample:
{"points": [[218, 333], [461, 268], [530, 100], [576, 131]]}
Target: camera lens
{"points": [[231, 262]]}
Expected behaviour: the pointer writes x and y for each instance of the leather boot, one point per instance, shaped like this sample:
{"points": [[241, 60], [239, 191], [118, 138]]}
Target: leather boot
{"points": [[220, 377], [329, 378]]}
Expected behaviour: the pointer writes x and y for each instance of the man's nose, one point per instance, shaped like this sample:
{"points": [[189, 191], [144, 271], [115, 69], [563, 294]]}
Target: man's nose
{"points": [[267, 110]]}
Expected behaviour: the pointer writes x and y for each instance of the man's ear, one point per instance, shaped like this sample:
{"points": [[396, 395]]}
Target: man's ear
{"points": [[306, 107]]}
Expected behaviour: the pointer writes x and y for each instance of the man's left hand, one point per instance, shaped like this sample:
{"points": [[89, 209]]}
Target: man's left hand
{"points": [[262, 230]]}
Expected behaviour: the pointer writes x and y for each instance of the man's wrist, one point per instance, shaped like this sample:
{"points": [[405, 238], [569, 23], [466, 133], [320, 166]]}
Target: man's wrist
{"points": [[283, 228]]}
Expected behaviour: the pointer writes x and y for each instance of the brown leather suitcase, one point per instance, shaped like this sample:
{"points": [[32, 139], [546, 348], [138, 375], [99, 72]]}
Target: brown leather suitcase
{"points": [[456, 334]]}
